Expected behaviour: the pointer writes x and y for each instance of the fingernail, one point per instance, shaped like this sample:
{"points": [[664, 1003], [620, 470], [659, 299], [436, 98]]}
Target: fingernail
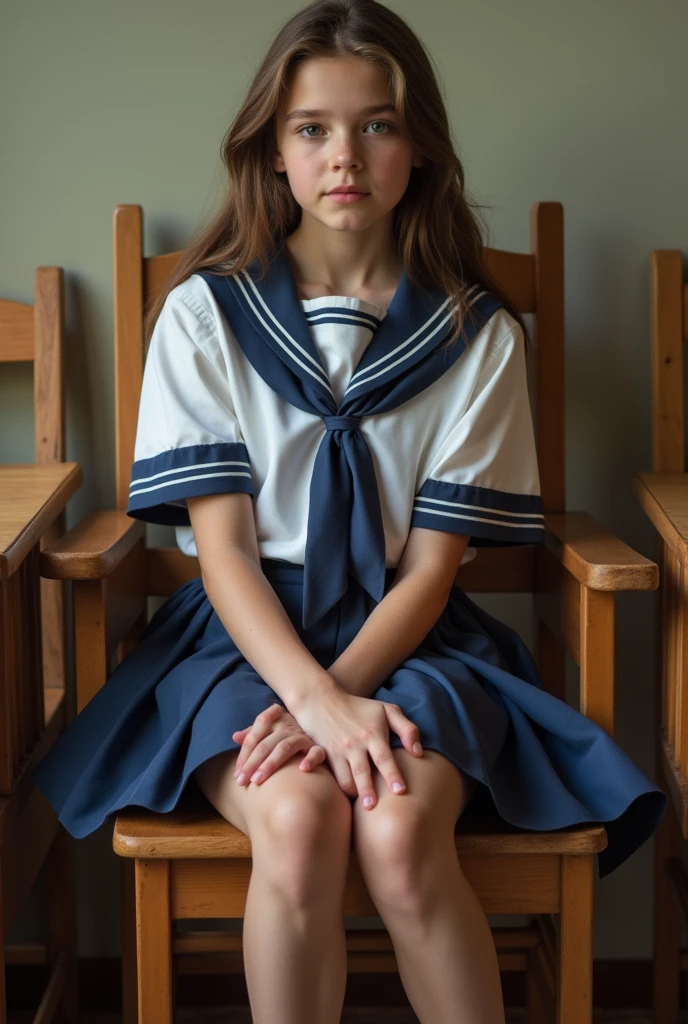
{"points": [[256, 777], [367, 801], [241, 779], [417, 749], [397, 787]]}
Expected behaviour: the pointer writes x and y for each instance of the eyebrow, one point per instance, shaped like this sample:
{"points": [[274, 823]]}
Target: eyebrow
{"points": [[297, 115]]}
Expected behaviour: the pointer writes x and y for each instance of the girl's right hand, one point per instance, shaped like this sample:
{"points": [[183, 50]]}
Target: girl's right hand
{"points": [[350, 729]]}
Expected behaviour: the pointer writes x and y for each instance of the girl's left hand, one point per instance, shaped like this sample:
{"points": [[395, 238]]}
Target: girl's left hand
{"points": [[270, 742]]}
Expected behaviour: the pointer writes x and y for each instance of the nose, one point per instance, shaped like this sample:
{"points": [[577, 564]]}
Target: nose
{"points": [[345, 152]]}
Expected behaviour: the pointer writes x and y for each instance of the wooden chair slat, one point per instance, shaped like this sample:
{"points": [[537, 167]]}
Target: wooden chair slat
{"points": [[516, 270], [16, 332], [547, 233], [128, 297], [49, 364], [157, 270], [667, 331]]}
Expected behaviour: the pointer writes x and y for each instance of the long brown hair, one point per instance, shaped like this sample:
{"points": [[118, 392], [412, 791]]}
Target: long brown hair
{"points": [[438, 230]]}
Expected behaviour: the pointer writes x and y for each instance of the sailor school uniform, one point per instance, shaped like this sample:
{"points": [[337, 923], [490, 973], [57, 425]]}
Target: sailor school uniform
{"points": [[348, 425]]}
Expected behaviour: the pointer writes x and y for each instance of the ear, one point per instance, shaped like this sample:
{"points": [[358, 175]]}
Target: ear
{"points": [[417, 160], [277, 162]]}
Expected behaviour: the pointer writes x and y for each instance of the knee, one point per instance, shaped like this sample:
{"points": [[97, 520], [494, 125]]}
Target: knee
{"points": [[303, 844], [399, 851]]}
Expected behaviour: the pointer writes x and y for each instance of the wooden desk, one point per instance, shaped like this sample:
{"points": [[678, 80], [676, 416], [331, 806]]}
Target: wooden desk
{"points": [[31, 499]]}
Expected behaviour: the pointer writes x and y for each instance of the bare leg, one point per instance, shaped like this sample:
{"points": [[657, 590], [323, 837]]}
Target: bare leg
{"points": [[405, 846], [299, 824]]}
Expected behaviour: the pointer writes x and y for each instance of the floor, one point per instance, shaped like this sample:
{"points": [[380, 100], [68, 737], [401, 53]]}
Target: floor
{"points": [[353, 1015]]}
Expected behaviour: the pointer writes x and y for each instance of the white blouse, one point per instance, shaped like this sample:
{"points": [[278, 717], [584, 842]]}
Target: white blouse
{"points": [[457, 456]]}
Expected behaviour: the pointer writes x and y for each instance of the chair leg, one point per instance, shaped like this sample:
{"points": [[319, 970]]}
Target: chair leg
{"points": [[667, 924], [538, 1004], [574, 941], [62, 917], [3, 992], [130, 1006], [153, 941]]}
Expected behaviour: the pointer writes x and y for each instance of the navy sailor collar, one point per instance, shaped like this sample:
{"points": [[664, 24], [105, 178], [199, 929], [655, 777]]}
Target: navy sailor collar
{"points": [[417, 320]]}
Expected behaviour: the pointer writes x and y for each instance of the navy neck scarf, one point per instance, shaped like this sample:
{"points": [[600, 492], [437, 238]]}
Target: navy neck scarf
{"points": [[345, 532]]}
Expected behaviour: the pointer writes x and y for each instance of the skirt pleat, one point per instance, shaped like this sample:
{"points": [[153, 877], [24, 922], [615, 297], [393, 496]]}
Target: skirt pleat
{"points": [[471, 687]]}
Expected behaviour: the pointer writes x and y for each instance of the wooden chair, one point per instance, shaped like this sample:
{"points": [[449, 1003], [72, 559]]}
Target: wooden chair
{"points": [[33, 707], [191, 863], [664, 497]]}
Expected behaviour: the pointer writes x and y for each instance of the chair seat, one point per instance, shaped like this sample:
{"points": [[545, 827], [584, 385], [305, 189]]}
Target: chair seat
{"points": [[195, 830]]}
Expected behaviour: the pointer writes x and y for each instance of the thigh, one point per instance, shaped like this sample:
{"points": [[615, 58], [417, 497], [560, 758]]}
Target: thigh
{"points": [[248, 806]]}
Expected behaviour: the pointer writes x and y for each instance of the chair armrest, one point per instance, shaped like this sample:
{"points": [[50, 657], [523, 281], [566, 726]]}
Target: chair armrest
{"points": [[93, 549], [595, 557]]}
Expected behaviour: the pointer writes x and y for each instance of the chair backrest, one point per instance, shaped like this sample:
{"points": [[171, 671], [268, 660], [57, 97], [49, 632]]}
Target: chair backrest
{"points": [[35, 333], [669, 330], [535, 283]]}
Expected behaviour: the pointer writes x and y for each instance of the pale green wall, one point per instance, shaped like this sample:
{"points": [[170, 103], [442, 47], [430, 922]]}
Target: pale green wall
{"points": [[583, 102]]}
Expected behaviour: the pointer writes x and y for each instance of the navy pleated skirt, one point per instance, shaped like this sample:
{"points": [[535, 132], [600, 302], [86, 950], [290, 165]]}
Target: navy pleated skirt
{"points": [[471, 687]]}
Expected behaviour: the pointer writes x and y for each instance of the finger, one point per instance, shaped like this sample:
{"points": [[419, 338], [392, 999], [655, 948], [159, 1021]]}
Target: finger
{"points": [[385, 762], [341, 769], [255, 760], [282, 752], [315, 756], [404, 728], [239, 735], [261, 728], [363, 778]]}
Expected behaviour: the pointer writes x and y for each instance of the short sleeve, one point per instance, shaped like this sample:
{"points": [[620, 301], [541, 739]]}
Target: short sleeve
{"points": [[188, 440], [483, 479]]}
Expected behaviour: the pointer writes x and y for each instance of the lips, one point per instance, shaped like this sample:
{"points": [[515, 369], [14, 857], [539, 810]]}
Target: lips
{"points": [[347, 191]]}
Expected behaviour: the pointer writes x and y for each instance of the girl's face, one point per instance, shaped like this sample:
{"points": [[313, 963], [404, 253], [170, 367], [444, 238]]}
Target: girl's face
{"points": [[336, 126]]}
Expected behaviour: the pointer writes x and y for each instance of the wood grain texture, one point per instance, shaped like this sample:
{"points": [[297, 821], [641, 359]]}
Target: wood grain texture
{"points": [[195, 829], [154, 941], [666, 348], [16, 332], [595, 557], [90, 639], [93, 548], [128, 297], [31, 498], [48, 374], [515, 272], [504, 884], [547, 243], [574, 982], [597, 658], [664, 499]]}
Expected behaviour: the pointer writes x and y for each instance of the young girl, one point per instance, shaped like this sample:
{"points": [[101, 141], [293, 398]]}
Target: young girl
{"points": [[334, 404]]}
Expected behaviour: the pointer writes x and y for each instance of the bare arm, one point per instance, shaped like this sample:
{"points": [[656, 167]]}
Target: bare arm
{"points": [[248, 607], [406, 614]]}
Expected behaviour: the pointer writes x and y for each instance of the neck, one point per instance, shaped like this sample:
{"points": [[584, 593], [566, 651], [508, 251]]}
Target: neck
{"points": [[344, 262]]}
